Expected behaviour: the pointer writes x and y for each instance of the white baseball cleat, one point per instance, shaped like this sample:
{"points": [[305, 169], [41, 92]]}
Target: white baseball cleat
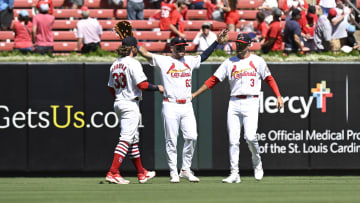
{"points": [[174, 177], [115, 178], [189, 175], [258, 173], [232, 178]]}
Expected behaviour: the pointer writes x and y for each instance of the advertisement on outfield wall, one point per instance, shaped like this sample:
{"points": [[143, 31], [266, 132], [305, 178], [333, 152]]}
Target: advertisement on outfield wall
{"points": [[56, 117]]}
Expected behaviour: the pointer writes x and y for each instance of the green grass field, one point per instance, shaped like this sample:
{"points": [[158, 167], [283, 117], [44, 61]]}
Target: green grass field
{"points": [[210, 189]]}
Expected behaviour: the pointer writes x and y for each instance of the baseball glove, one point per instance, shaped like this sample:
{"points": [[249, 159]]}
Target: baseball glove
{"points": [[223, 37], [123, 29]]}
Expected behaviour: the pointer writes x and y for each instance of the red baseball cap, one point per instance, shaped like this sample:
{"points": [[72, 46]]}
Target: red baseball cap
{"points": [[332, 12], [84, 8]]}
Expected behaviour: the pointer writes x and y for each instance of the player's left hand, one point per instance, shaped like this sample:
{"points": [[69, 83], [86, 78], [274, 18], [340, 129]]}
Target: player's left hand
{"points": [[279, 102]]}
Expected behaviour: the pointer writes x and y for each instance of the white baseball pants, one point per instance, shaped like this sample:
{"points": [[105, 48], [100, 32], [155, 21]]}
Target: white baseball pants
{"points": [[128, 113], [243, 112], [181, 116]]}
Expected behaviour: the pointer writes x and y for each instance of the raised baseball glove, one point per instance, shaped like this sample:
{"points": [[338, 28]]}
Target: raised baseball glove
{"points": [[123, 29], [223, 37]]}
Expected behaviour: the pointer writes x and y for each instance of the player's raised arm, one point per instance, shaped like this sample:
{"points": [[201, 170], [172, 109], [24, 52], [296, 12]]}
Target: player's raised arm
{"points": [[145, 53], [222, 38]]}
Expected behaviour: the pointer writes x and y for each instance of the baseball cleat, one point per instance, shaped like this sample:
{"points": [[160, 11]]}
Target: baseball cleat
{"points": [[174, 177], [145, 176], [258, 173], [233, 178], [115, 178], [189, 175]]}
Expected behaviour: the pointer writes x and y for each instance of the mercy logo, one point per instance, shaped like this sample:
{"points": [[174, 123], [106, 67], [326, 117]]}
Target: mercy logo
{"points": [[298, 104], [321, 93]]}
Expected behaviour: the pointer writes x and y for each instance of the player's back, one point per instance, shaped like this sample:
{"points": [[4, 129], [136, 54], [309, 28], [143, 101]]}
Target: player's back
{"points": [[125, 74]]}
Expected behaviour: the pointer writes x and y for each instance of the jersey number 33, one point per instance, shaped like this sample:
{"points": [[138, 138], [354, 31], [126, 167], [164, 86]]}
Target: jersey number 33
{"points": [[120, 80]]}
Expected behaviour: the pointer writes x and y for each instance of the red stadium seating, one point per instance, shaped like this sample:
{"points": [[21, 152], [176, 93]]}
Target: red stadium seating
{"points": [[249, 3], [6, 35], [30, 3], [6, 46], [248, 14], [358, 4], [92, 3], [144, 24], [197, 14], [65, 46], [24, 3], [76, 13], [192, 14], [64, 35], [64, 24]]}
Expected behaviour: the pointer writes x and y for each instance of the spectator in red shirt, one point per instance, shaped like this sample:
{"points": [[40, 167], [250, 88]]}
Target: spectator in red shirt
{"points": [[177, 22], [231, 15], [210, 6], [183, 9], [273, 39], [307, 24], [23, 29], [49, 2], [262, 28], [42, 30], [167, 8]]}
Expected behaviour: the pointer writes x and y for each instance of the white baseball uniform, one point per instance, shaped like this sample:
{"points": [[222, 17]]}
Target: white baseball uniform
{"points": [[125, 74], [244, 78], [177, 109]]}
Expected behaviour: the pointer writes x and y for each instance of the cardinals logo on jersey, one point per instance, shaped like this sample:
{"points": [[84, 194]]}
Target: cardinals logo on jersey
{"points": [[176, 73], [237, 74]]}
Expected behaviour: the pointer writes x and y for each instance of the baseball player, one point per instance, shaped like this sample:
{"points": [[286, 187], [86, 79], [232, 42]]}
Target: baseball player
{"points": [[177, 109], [244, 72], [126, 81]]}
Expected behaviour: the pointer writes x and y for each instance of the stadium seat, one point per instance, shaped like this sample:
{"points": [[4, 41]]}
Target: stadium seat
{"points": [[65, 46], [30, 3], [248, 14], [358, 4], [64, 24], [57, 3], [24, 3], [92, 3], [144, 24], [6, 35], [64, 35], [249, 3], [76, 13], [197, 14], [192, 14], [6, 46]]}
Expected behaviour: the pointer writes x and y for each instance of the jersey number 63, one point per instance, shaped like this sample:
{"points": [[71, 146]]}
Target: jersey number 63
{"points": [[120, 80]]}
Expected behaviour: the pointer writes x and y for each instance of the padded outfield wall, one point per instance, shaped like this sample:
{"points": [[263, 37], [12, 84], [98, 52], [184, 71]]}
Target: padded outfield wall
{"points": [[59, 117]]}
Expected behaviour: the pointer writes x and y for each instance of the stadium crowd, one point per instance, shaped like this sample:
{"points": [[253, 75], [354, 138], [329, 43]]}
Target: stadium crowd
{"points": [[297, 27]]}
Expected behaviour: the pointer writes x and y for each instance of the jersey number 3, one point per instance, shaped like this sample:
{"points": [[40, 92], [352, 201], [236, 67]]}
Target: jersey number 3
{"points": [[120, 80], [252, 82]]}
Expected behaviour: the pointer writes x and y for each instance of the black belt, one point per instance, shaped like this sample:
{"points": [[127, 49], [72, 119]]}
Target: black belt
{"points": [[246, 96]]}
